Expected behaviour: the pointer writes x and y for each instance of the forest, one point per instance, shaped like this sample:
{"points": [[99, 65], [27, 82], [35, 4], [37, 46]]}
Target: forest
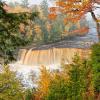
{"points": [[50, 50]]}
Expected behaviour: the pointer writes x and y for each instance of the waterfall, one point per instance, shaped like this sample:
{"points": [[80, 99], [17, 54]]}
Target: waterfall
{"points": [[21, 55], [50, 56], [30, 61], [27, 57]]}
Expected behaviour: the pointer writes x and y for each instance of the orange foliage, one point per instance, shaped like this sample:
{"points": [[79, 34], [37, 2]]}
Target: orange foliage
{"points": [[65, 20], [61, 3], [53, 9], [75, 8], [48, 26], [81, 30], [37, 28], [52, 16], [22, 27]]}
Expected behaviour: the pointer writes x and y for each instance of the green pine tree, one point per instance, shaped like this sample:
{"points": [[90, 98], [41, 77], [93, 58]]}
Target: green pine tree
{"points": [[10, 37], [96, 67], [76, 84], [44, 7], [10, 85]]}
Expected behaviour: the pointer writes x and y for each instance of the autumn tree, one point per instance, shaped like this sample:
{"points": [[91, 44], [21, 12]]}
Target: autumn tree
{"points": [[51, 31], [44, 82], [74, 10]]}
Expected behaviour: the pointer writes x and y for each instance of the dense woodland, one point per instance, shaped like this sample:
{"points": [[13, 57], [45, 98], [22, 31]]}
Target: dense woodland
{"points": [[41, 25]]}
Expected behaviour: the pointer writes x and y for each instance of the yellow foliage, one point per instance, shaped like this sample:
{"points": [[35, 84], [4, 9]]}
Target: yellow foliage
{"points": [[37, 28], [98, 20], [44, 81]]}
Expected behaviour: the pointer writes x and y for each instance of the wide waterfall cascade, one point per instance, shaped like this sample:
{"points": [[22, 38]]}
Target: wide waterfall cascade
{"points": [[30, 61], [50, 56]]}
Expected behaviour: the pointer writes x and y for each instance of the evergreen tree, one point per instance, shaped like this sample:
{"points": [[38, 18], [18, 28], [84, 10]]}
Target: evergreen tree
{"points": [[88, 80], [58, 89], [44, 7], [10, 37], [29, 94], [25, 3], [10, 85], [74, 82], [96, 67]]}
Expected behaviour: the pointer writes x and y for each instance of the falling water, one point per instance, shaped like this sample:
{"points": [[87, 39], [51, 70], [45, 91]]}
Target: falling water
{"points": [[30, 60], [50, 56]]}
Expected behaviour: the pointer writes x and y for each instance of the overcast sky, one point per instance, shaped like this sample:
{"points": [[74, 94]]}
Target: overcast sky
{"points": [[30, 1]]}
